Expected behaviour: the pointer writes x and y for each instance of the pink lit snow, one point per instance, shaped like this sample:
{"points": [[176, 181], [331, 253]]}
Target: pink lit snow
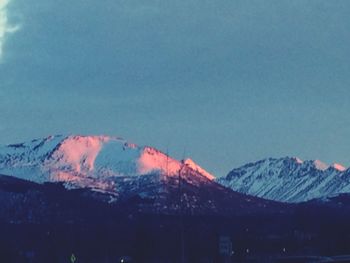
{"points": [[338, 167], [80, 152], [199, 169], [153, 160]]}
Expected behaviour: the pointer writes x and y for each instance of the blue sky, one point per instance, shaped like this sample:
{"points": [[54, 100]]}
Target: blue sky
{"points": [[224, 82]]}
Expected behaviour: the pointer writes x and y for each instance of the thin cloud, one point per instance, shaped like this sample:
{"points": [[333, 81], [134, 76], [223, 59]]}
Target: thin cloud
{"points": [[5, 27]]}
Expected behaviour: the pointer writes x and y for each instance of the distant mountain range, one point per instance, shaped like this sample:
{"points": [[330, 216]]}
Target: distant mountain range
{"points": [[120, 169], [289, 179]]}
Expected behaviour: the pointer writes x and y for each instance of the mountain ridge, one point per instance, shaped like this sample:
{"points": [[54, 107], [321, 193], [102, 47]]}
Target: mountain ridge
{"points": [[288, 179], [111, 164], [98, 162]]}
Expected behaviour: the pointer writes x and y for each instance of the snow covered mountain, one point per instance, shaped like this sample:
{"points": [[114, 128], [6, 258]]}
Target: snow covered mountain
{"points": [[114, 166], [112, 170], [98, 162], [289, 179]]}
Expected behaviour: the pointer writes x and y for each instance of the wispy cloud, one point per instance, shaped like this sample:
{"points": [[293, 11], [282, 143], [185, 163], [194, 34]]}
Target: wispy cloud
{"points": [[5, 26]]}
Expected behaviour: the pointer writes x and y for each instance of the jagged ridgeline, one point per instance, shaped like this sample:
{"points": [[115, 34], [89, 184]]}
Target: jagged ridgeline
{"points": [[289, 179]]}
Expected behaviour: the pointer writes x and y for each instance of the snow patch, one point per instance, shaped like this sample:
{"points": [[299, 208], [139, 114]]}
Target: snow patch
{"points": [[154, 160], [320, 165], [338, 167], [298, 160], [79, 152], [198, 169]]}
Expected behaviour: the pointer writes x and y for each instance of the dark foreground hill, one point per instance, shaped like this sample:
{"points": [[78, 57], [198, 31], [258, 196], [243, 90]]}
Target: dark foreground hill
{"points": [[48, 223]]}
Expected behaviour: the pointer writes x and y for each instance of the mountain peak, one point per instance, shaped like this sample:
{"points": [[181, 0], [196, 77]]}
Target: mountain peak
{"points": [[338, 167], [297, 160], [320, 165], [87, 161]]}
